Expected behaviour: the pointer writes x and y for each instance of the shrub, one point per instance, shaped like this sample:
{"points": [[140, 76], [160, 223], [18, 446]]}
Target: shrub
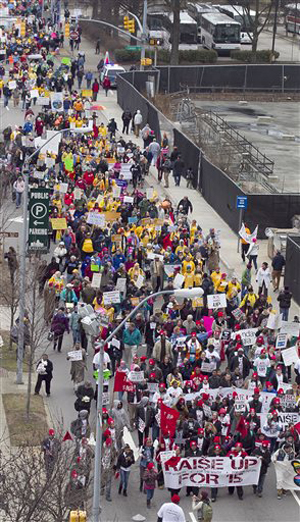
{"points": [[163, 56], [265, 56], [199, 55]]}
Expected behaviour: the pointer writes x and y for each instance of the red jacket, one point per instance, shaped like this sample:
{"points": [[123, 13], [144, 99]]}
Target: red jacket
{"points": [[106, 83]]}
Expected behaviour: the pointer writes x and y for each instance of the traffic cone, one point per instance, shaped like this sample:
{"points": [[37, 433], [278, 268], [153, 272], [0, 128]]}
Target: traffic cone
{"points": [[106, 58], [67, 436]]}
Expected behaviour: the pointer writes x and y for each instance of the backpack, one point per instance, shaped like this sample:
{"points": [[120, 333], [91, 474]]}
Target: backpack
{"points": [[207, 512]]}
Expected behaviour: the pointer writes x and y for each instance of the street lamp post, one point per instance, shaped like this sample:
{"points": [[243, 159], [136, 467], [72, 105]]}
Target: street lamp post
{"points": [[20, 350], [182, 292]]}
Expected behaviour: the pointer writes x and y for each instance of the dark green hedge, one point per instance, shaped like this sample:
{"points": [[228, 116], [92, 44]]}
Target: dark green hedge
{"points": [[163, 56], [254, 57]]}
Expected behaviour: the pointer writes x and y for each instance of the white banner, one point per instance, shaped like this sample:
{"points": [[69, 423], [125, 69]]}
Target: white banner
{"points": [[248, 336], [211, 472], [290, 328], [284, 418], [247, 237], [287, 474], [216, 301]]}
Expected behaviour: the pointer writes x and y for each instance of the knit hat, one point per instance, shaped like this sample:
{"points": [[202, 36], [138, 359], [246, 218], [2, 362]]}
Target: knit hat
{"points": [[176, 499]]}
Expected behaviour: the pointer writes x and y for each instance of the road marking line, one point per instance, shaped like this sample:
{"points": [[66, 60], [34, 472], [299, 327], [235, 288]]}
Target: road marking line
{"points": [[296, 497], [193, 518]]}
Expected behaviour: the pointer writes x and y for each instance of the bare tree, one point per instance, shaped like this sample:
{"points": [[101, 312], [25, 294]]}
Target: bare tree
{"points": [[38, 329], [262, 14], [29, 493]]}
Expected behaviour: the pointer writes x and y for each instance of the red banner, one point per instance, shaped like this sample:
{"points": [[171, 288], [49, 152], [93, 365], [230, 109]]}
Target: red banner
{"points": [[168, 419], [120, 378]]}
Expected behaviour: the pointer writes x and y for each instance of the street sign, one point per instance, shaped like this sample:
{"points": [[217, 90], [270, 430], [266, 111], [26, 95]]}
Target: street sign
{"points": [[9, 234], [133, 47], [38, 220], [241, 202]]}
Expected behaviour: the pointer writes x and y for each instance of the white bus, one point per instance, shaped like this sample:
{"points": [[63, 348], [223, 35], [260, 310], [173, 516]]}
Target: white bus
{"points": [[292, 18], [245, 17], [188, 30], [160, 24], [196, 10], [220, 32]]}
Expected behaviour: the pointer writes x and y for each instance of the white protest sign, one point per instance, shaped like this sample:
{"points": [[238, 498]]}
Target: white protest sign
{"points": [[94, 218], [111, 297], [288, 401], [116, 343], [207, 367], [105, 398], [50, 162], [170, 269], [140, 281], [178, 281], [128, 199], [290, 328], [152, 255], [290, 355], [76, 355], [54, 142], [281, 340], [207, 411], [96, 281], [121, 284], [77, 193], [38, 175], [286, 475], [41, 100], [149, 192], [216, 301], [274, 321], [34, 93], [212, 472], [12, 84], [248, 336], [136, 376], [152, 387], [116, 191], [63, 187]]}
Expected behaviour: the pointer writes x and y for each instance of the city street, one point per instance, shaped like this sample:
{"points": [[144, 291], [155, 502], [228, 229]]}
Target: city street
{"points": [[60, 404]]}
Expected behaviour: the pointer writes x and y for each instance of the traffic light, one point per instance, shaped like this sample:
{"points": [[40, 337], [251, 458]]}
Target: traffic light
{"points": [[23, 28], [67, 30], [155, 41], [131, 27], [126, 22], [146, 61], [78, 516], [129, 24]]}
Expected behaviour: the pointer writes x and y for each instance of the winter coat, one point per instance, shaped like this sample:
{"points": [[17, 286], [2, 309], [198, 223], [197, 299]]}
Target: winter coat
{"points": [[60, 324], [263, 276], [284, 299]]}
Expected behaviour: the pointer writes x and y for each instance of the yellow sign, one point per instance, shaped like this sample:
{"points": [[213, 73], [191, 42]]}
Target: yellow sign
{"points": [[146, 221], [86, 93], [59, 223], [116, 238], [112, 216], [197, 302], [134, 301]]}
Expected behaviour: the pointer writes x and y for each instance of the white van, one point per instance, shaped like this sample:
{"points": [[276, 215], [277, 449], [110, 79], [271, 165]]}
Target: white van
{"points": [[111, 72]]}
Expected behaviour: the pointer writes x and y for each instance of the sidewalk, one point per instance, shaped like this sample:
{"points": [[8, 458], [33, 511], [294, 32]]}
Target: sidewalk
{"points": [[205, 215]]}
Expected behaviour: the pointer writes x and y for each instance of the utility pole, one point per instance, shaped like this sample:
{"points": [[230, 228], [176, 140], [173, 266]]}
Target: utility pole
{"points": [[275, 25], [144, 33]]}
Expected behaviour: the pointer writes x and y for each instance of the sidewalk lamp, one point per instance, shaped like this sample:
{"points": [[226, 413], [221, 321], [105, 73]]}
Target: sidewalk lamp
{"points": [[191, 293], [20, 350]]}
